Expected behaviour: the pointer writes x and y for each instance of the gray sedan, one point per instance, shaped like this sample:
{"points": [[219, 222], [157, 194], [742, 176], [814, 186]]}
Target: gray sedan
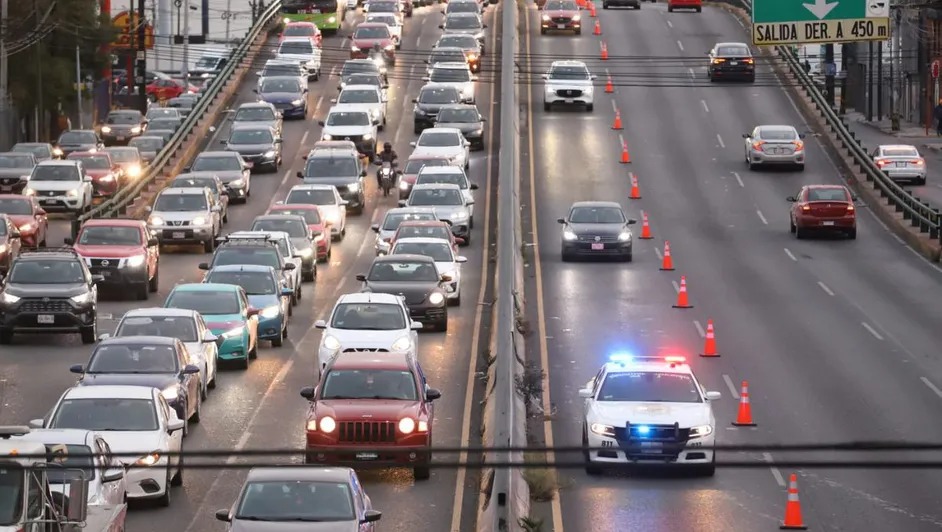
{"points": [[774, 145]]}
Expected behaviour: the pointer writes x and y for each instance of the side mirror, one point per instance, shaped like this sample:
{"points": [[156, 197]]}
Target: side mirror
{"points": [[148, 209], [68, 241], [224, 142], [474, 78], [363, 173], [36, 423], [432, 394], [470, 202], [77, 368], [290, 266], [204, 266], [713, 396], [308, 392], [190, 369], [545, 76], [175, 425], [416, 326], [98, 278], [483, 119], [791, 199], [460, 241], [252, 312], [375, 228], [441, 26], [209, 337], [287, 292], [593, 77], [333, 100], [371, 516], [344, 203], [279, 141], [461, 260], [223, 515], [40, 212], [415, 100], [361, 277], [103, 337], [745, 135], [320, 324], [585, 393], [446, 278], [561, 220], [632, 221], [216, 208], [187, 168], [320, 123], [153, 242], [402, 203], [802, 135], [413, 143], [426, 78], [255, 91], [87, 179], [483, 25], [113, 475], [300, 175]]}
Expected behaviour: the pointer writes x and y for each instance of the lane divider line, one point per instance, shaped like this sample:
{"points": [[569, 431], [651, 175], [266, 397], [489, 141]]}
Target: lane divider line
{"points": [[680, 45], [704, 104], [670, 24], [791, 255], [304, 138], [699, 327], [827, 290], [690, 72], [931, 386], [872, 331], [762, 217], [242, 441], [739, 180], [614, 107], [779, 479], [720, 140], [732, 387], [676, 286], [660, 255]]}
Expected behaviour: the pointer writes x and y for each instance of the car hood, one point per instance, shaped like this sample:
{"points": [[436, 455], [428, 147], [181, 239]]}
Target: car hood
{"points": [[465, 127], [261, 301], [432, 107], [562, 84], [97, 173], [341, 131], [132, 441], [179, 216], [561, 13], [367, 44], [292, 526], [21, 219], [76, 147], [344, 181], [224, 175], [443, 151], [15, 172], [151, 380], [365, 107], [414, 292], [464, 31], [51, 290], [301, 58], [250, 149], [617, 413], [597, 229], [447, 212], [220, 323], [260, 123], [280, 97], [108, 252], [54, 185], [373, 409], [302, 242], [359, 339]]}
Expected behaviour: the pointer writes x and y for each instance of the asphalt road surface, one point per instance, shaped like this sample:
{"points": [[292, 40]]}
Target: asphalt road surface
{"points": [[260, 408], [837, 338]]}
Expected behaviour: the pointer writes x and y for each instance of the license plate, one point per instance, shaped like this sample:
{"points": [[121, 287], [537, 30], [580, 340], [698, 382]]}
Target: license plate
{"points": [[106, 273], [827, 223], [6, 189], [901, 165], [249, 165], [120, 139], [367, 456], [734, 63], [652, 447], [560, 26], [177, 234], [569, 100], [597, 247], [45, 319], [48, 202]]}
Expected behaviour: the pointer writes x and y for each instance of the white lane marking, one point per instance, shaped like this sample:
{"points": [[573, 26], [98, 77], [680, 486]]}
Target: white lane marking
{"points": [[762, 217], [739, 180], [871, 330], [690, 73], [824, 287], [614, 107], [790, 255], [720, 140], [304, 138], [676, 286], [931, 386], [418, 41], [242, 441], [660, 256], [621, 139], [670, 24], [732, 387], [279, 378], [284, 180], [699, 328], [704, 104], [779, 479], [680, 45], [317, 105], [333, 71]]}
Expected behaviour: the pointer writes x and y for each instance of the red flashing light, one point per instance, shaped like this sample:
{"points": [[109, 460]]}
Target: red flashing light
{"points": [[676, 359]]}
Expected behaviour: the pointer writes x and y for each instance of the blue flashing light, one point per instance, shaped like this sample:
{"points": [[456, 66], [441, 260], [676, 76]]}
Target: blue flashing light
{"points": [[622, 358], [643, 430]]}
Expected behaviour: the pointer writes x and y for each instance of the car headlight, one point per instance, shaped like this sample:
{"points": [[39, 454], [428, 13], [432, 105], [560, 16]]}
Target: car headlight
{"points": [[374, 113], [238, 183], [108, 178], [577, 18], [436, 298], [331, 343], [232, 333], [332, 20], [155, 220], [199, 220], [26, 228], [270, 312], [136, 129], [134, 170], [93, 150], [402, 344], [136, 261], [603, 430], [29, 192], [546, 18], [368, 136], [403, 185], [461, 215], [353, 187], [328, 424], [9, 299], [149, 459], [325, 136], [624, 236], [569, 235], [105, 129], [81, 299], [57, 152], [73, 193], [354, 48], [171, 393], [391, 47], [306, 252], [333, 218], [476, 132], [270, 153], [299, 101], [701, 431], [406, 425]]}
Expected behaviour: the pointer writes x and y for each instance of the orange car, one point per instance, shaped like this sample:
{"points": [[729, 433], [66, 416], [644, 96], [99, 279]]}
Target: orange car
{"points": [[823, 208], [302, 29]]}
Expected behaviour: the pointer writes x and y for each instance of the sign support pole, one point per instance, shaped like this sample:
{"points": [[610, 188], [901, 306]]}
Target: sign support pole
{"points": [[141, 70], [829, 68]]}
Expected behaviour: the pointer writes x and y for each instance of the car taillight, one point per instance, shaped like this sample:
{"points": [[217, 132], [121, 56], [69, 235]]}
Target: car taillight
{"points": [[882, 162], [806, 208], [758, 145], [799, 145], [850, 208], [718, 61], [918, 162], [748, 61]]}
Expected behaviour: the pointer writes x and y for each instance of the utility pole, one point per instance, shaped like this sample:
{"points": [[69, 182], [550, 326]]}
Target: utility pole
{"points": [[185, 69], [227, 16], [897, 65], [78, 85], [4, 80], [830, 69], [870, 82], [141, 66], [40, 111]]}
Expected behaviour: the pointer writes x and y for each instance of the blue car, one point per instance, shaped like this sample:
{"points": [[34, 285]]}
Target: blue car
{"points": [[286, 93], [266, 291]]}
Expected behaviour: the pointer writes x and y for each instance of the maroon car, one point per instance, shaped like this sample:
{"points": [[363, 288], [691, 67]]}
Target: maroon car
{"points": [[823, 208], [122, 251], [368, 36], [561, 15], [104, 171], [28, 216]]}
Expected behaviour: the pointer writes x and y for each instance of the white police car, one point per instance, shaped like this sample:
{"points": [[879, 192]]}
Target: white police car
{"points": [[648, 411]]}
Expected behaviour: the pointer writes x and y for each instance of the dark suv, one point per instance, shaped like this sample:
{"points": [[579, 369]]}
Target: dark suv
{"points": [[49, 290], [430, 101], [340, 168], [260, 251]]}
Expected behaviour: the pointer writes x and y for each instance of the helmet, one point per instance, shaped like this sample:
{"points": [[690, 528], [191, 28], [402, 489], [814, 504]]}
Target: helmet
{"points": [[387, 146]]}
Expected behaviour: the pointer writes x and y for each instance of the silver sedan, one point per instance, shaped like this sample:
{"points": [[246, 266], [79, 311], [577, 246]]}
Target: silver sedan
{"points": [[901, 162], [774, 145]]}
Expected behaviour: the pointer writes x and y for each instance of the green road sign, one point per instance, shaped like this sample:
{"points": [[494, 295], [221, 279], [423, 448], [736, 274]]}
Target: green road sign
{"points": [[777, 22]]}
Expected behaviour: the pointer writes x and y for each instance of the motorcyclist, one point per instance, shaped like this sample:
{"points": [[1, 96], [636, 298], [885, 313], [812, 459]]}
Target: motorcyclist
{"points": [[388, 155]]}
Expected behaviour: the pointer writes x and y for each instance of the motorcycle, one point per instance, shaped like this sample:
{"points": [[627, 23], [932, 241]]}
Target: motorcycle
{"points": [[387, 176]]}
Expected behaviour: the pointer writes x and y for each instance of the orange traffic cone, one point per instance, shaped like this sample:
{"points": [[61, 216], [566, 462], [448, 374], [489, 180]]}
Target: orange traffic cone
{"points": [[617, 125], [609, 88], [598, 28], [667, 263], [645, 227], [682, 301], [592, 9], [793, 507], [635, 191], [604, 46], [709, 343], [744, 418], [625, 156]]}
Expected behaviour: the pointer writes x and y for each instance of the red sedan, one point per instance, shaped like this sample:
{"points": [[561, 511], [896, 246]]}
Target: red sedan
{"points": [[319, 226], [823, 207], [29, 218], [165, 89], [369, 35], [106, 174], [302, 29]]}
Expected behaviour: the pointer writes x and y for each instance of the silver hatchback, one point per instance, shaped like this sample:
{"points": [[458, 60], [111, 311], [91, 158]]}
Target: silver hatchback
{"points": [[774, 145]]}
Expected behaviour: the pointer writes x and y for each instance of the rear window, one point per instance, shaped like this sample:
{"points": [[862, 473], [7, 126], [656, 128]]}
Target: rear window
{"points": [[777, 134], [733, 51], [827, 194], [900, 152]]}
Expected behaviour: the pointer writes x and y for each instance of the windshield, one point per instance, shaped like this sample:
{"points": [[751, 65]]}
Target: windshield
{"points": [[47, 272], [364, 79], [436, 139], [394, 219], [182, 328], [216, 164], [311, 216], [124, 155], [78, 137], [424, 231], [164, 123], [331, 167], [207, 301], [462, 7], [110, 236], [300, 31], [312, 197], [383, 7], [368, 317], [296, 501], [294, 228], [3, 229], [254, 283], [898, 152], [296, 47], [106, 415], [439, 95], [262, 256], [415, 165], [56, 172], [439, 252], [649, 386], [158, 112], [71, 458], [447, 56], [447, 179], [358, 96], [435, 196], [778, 134], [733, 51], [361, 66], [569, 72], [450, 75], [180, 203], [11, 494], [254, 114], [371, 32], [208, 62], [560, 5], [827, 194], [147, 144], [342, 118], [596, 215], [94, 162], [124, 118], [194, 182], [16, 161], [403, 271], [458, 41], [281, 70], [133, 358], [370, 384], [251, 136], [461, 116], [16, 206], [39, 150], [462, 23], [280, 85], [389, 20]]}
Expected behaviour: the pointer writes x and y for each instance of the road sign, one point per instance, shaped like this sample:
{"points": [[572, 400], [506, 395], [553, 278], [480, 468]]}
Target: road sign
{"points": [[126, 22], [776, 22], [935, 69]]}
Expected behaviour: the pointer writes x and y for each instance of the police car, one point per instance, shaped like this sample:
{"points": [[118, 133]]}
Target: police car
{"points": [[648, 411]]}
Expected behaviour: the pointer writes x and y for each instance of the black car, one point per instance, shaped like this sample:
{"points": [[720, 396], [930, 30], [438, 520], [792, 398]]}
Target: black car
{"points": [[121, 126], [340, 168], [259, 146], [153, 361], [49, 291], [363, 78], [359, 66], [464, 117], [430, 101], [163, 127], [416, 278], [596, 229], [41, 150], [260, 251], [731, 60], [77, 140], [15, 169]]}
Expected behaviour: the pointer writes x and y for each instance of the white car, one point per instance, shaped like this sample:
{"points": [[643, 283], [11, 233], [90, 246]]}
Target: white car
{"points": [[444, 142], [453, 74], [328, 200], [446, 261], [393, 219], [132, 419], [289, 254], [60, 185], [367, 321], [350, 123], [449, 175], [390, 20], [367, 98], [569, 83], [183, 216], [301, 50], [901, 162], [185, 325], [648, 410]]}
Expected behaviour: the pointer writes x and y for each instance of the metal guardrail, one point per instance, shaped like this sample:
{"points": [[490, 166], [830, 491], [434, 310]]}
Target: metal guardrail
{"points": [[115, 205]]}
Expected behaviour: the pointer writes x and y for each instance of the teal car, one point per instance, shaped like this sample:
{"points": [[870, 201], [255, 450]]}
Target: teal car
{"points": [[227, 313], [266, 291]]}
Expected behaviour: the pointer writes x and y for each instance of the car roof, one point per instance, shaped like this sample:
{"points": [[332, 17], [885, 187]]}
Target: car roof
{"points": [[369, 297], [255, 105], [451, 65], [373, 88], [183, 191], [113, 222], [452, 49], [206, 287], [293, 206], [425, 223], [447, 169], [114, 391], [401, 257], [332, 152], [648, 364], [149, 137], [298, 38], [58, 162], [243, 268], [250, 126], [371, 360], [249, 235], [311, 187], [346, 108], [463, 15], [59, 436], [614, 204], [436, 186], [300, 23], [160, 311], [459, 107], [426, 157], [217, 153], [567, 63], [292, 474], [423, 240], [139, 339], [442, 130], [897, 147], [824, 187], [409, 210], [372, 24]]}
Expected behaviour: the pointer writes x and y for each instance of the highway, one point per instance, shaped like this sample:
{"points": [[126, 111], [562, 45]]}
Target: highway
{"points": [[838, 339], [260, 408]]}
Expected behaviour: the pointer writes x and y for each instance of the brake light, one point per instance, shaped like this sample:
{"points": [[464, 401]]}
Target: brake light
{"points": [[718, 61], [806, 208], [882, 162], [850, 208], [799, 145], [749, 61], [758, 145], [918, 162]]}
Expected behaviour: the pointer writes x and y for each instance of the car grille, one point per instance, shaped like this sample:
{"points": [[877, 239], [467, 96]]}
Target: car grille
{"points": [[592, 238], [50, 193], [9, 180], [562, 20], [365, 350], [415, 299], [177, 223], [43, 305], [104, 263], [354, 138], [285, 105], [662, 442], [569, 93], [367, 432]]}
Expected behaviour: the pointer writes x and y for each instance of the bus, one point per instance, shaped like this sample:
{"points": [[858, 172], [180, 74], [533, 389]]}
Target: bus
{"points": [[328, 15]]}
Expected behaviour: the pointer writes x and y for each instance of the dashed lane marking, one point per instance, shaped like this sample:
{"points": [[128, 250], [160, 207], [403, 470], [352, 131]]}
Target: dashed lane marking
{"points": [[872, 331], [720, 140], [779, 479], [762, 217], [931, 386], [676, 286], [827, 290], [680, 45], [791, 255], [699, 328], [732, 387], [704, 104], [739, 180]]}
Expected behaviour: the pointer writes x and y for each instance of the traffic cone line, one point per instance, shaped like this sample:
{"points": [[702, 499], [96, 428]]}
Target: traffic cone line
{"points": [[645, 227], [793, 519], [682, 298], [635, 190], [609, 87], [667, 262], [709, 342], [744, 416], [625, 156], [604, 48], [617, 124], [598, 28], [592, 9]]}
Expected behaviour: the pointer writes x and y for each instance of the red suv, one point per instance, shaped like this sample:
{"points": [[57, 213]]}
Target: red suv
{"points": [[319, 225], [371, 407], [29, 217], [106, 174], [123, 252]]}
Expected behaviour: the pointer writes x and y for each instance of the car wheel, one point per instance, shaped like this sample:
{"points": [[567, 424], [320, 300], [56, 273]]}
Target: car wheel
{"points": [[209, 245], [708, 470], [253, 353], [546, 106], [542, 31], [604, 5], [566, 257], [791, 226], [417, 129], [670, 9], [421, 473], [799, 233], [753, 166], [628, 257], [920, 181], [852, 233], [801, 168], [279, 341], [443, 325], [141, 292], [154, 283], [198, 413], [164, 500], [590, 107], [590, 469], [177, 479], [243, 363], [284, 332], [6, 336], [89, 334]]}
